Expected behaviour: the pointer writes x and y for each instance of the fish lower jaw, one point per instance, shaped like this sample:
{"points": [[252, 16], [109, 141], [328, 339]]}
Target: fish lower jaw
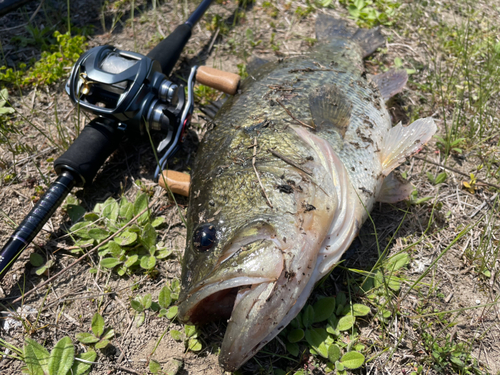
{"points": [[214, 302]]}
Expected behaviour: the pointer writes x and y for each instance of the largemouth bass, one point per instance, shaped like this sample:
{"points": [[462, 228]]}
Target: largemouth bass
{"points": [[283, 180]]}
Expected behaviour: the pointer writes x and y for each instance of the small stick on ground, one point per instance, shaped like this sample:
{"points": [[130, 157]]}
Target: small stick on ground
{"points": [[91, 251], [291, 162], [455, 170], [257, 173], [292, 116]]}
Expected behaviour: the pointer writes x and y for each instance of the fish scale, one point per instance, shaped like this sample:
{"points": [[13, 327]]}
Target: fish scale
{"points": [[354, 151], [284, 200]]}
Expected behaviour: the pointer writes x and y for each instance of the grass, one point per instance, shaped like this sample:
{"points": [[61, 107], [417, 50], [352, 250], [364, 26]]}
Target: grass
{"points": [[366, 315]]}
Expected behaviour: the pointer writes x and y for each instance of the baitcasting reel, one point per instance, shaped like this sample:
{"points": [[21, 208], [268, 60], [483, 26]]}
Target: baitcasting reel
{"points": [[130, 96], [130, 89]]}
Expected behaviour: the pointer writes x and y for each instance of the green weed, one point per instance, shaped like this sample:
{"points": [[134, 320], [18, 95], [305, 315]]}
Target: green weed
{"points": [[242, 70], [190, 337], [205, 94], [43, 266], [100, 337], [60, 361], [168, 295], [218, 23], [447, 355], [329, 327], [270, 9], [436, 180], [12, 351], [52, 65], [174, 367], [464, 85], [133, 249], [304, 12], [329, 342], [4, 109], [370, 13], [41, 38], [251, 39]]}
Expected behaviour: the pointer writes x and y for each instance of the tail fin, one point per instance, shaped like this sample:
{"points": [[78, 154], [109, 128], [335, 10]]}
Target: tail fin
{"points": [[369, 39]]}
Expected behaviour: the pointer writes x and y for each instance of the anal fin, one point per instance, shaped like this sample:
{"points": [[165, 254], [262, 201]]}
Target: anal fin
{"points": [[394, 189], [402, 142], [390, 83]]}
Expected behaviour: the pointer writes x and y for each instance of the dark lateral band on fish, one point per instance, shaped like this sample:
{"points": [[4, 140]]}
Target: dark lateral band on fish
{"points": [[311, 70]]}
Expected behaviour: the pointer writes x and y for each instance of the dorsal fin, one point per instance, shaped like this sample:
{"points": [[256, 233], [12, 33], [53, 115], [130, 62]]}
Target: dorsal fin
{"points": [[330, 108], [254, 65], [328, 27], [369, 40], [390, 83]]}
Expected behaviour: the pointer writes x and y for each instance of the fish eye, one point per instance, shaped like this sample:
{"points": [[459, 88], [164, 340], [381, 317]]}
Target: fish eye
{"points": [[204, 237]]}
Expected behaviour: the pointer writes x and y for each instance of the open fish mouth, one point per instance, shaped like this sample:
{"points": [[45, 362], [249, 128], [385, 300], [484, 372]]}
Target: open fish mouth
{"points": [[253, 258]]}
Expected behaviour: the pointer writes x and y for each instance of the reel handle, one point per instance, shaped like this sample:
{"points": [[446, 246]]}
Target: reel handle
{"points": [[177, 182], [218, 79]]}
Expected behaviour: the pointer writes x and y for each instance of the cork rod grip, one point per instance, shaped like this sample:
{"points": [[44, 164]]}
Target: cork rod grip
{"points": [[177, 182], [217, 79]]}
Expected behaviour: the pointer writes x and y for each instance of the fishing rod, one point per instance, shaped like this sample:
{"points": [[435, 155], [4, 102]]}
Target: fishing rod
{"points": [[131, 95]]}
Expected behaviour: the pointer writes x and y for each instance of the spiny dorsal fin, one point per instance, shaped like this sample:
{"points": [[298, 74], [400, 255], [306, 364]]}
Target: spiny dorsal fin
{"points": [[328, 27], [254, 65], [330, 108], [401, 142], [390, 83], [211, 109]]}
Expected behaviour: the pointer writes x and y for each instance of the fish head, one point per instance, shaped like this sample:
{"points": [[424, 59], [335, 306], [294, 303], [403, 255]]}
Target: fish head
{"points": [[220, 260], [249, 263]]}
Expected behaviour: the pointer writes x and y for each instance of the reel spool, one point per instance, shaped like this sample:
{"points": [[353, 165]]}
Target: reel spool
{"points": [[127, 87]]}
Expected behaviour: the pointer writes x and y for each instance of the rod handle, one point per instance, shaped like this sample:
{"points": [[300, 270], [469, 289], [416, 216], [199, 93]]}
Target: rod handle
{"points": [[218, 79], [97, 141]]}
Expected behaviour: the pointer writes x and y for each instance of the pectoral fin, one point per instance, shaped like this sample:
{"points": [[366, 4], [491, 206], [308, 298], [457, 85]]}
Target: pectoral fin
{"points": [[402, 142], [330, 109]]}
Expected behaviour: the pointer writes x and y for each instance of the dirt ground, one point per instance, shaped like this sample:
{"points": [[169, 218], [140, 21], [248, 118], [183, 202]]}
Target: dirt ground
{"points": [[67, 307]]}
